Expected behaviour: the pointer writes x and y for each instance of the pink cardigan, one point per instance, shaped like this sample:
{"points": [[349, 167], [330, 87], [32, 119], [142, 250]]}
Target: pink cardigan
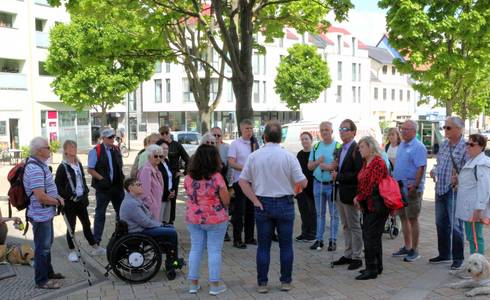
{"points": [[152, 184]]}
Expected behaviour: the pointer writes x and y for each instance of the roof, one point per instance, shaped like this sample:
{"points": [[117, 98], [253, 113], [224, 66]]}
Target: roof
{"points": [[338, 29], [326, 39], [380, 54], [290, 35], [317, 40], [361, 45]]}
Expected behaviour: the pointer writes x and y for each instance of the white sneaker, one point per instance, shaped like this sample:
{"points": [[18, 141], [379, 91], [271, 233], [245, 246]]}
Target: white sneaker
{"points": [[73, 256], [98, 251]]}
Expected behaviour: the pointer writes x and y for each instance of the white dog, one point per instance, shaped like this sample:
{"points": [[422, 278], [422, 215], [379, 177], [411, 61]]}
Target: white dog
{"points": [[479, 269]]}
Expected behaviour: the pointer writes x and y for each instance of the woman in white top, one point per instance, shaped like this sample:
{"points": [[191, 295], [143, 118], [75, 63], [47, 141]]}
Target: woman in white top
{"points": [[472, 204], [394, 139]]}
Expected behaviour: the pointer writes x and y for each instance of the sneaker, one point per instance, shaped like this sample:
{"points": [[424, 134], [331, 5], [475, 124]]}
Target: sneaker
{"points": [[439, 260], [194, 288], [401, 252], [286, 287], [98, 250], [412, 255], [332, 246], [216, 290], [262, 289], [300, 238], [318, 245], [73, 256], [457, 265]]}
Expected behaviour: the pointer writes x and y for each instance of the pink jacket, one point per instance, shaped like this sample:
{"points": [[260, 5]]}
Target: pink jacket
{"points": [[152, 181]]}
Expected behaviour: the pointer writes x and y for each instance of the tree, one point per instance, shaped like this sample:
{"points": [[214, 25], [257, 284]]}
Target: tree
{"points": [[301, 76], [231, 27], [444, 45], [83, 78]]}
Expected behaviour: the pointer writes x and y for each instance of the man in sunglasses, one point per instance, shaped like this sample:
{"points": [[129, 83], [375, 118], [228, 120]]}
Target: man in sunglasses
{"points": [[450, 160], [105, 166]]}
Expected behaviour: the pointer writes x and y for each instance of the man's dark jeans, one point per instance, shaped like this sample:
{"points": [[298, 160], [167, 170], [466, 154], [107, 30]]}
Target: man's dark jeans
{"points": [[43, 239], [102, 200], [243, 215], [166, 237], [444, 215], [278, 213], [307, 210]]}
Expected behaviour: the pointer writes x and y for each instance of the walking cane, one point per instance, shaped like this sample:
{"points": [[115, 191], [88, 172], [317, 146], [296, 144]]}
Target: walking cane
{"points": [[72, 235], [334, 199]]}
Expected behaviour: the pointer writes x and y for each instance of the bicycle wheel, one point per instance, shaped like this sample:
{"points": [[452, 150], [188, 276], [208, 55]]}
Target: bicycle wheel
{"points": [[124, 151]]}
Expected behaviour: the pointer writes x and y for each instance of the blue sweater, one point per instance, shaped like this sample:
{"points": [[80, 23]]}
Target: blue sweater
{"points": [[135, 213]]}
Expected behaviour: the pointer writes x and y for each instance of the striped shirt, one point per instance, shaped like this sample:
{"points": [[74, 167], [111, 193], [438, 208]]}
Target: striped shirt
{"points": [[37, 177], [444, 167]]}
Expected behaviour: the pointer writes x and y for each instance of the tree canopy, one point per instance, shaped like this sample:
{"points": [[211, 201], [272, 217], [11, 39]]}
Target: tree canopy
{"points": [[85, 78], [445, 49], [301, 76]]}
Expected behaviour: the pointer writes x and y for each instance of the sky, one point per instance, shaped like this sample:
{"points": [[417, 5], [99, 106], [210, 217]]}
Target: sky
{"points": [[366, 21]]}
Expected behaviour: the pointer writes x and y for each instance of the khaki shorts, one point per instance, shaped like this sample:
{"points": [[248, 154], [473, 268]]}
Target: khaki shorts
{"points": [[412, 210]]}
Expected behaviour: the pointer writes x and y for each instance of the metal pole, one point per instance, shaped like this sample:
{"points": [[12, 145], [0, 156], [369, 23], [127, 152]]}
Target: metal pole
{"points": [[128, 128]]}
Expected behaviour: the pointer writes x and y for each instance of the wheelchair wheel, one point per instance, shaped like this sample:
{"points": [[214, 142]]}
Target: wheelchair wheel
{"points": [[135, 258]]}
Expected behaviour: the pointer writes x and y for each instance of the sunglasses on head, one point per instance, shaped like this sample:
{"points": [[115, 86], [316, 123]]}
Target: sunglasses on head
{"points": [[471, 144], [158, 156], [344, 129]]}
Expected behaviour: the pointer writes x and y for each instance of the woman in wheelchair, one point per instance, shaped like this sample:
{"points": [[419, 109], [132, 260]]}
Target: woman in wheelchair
{"points": [[140, 220]]}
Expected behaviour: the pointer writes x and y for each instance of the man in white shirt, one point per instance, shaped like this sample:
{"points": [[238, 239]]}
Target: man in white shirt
{"points": [[270, 178]]}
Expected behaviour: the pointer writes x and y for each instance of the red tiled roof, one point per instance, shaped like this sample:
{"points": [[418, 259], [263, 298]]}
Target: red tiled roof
{"points": [[338, 29], [346, 45], [290, 35], [326, 39], [361, 45]]}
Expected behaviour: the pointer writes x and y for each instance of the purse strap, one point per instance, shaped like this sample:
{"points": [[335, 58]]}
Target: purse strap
{"points": [[72, 186]]}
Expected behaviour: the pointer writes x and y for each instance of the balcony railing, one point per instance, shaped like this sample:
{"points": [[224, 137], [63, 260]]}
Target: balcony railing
{"points": [[42, 39], [13, 81]]}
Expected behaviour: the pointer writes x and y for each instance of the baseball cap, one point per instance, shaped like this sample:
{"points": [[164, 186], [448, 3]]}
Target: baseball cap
{"points": [[107, 132]]}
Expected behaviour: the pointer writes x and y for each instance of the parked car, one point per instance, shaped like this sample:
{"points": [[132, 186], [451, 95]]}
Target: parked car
{"points": [[189, 139]]}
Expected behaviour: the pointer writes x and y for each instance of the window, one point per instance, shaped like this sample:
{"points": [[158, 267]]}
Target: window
{"points": [[3, 127], [213, 89], [42, 69], [167, 67], [187, 90], [393, 70], [392, 94], [167, 90], [408, 95], [384, 94], [11, 65], [353, 46], [255, 63], [264, 63], [359, 95], [359, 72], [7, 19], [339, 70], [375, 93], [158, 91], [354, 72], [339, 44], [132, 101], [40, 25], [339, 93], [354, 94], [401, 95], [264, 91], [158, 67], [256, 91], [385, 70], [229, 90]]}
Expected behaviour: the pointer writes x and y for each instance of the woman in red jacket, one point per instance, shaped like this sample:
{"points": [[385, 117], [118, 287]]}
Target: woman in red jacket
{"points": [[370, 202]]}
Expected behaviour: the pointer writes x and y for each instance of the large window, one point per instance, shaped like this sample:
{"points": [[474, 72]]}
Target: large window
{"points": [[213, 89], [385, 70], [339, 44], [256, 91], [353, 46], [158, 91], [339, 70], [392, 94], [354, 94], [384, 94], [359, 95], [264, 91], [354, 72], [40, 25], [187, 90], [167, 90], [401, 95], [7, 19], [359, 72]]}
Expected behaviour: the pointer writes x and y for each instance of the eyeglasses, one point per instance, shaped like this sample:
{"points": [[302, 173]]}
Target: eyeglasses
{"points": [[406, 129], [447, 128], [344, 129], [137, 184], [471, 144], [217, 135], [158, 156], [163, 133], [111, 137], [47, 148]]}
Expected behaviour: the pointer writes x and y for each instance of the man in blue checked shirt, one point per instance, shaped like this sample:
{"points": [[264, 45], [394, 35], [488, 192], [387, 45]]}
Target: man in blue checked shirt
{"points": [[450, 159]]}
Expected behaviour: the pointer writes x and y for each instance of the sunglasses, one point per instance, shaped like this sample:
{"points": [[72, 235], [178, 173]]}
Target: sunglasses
{"points": [[163, 133], [111, 137], [447, 127], [158, 156], [471, 144], [47, 148], [210, 143], [137, 184], [217, 135], [344, 129]]}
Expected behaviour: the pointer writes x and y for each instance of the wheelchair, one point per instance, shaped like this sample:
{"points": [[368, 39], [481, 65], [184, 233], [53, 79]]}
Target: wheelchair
{"points": [[136, 257]]}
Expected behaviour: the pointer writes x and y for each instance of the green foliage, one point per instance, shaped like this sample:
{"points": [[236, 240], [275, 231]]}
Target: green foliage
{"points": [[85, 58], [301, 76], [446, 46], [54, 146], [25, 151]]}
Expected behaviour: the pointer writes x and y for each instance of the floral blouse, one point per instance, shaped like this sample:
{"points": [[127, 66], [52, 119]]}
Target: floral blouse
{"points": [[369, 177], [203, 205]]}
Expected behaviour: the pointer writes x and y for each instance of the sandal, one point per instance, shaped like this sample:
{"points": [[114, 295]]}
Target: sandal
{"points": [[50, 285], [56, 276]]}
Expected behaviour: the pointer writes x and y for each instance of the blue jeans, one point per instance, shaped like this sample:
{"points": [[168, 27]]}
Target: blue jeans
{"points": [[323, 196], [43, 239], [102, 200], [444, 215], [208, 236], [278, 213], [166, 237]]}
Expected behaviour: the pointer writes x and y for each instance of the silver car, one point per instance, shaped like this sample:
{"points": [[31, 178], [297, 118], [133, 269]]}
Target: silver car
{"points": [[190, 140]]}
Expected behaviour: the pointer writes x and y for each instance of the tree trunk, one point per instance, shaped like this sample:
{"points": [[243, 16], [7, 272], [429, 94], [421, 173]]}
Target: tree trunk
{"points": [[104, 120], [205, 120], [242, 88], [449, 108]]}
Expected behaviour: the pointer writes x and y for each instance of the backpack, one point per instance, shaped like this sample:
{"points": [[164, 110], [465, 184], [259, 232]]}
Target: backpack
{"points": [[98, 149], [338, 147], [389, 190]]}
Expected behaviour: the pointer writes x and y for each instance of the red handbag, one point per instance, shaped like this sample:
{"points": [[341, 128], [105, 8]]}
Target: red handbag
{"points": [[390, 192]]}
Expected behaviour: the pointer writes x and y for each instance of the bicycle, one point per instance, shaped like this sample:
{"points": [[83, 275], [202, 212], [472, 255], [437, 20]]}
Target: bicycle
{"points": [[122, 147]]}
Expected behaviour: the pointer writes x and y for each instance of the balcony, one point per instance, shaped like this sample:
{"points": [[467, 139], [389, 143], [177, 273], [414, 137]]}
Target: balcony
{"points": [[42, 39], [13, 81], [42, 2]]}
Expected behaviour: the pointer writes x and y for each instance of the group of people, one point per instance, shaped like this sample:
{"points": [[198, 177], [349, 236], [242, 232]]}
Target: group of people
{"points": [[342, 176]]}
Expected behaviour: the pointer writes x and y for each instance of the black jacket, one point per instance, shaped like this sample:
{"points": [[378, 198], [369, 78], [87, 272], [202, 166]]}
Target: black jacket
{"points": [[102, 167], [166, 191], [176, 152], [64, 187], [347, 175]]}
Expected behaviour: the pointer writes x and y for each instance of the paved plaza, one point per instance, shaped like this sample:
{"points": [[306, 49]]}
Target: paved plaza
{"points": [[313, 278]]}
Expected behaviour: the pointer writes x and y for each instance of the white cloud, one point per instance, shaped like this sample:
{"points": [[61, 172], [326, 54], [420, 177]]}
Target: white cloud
{"points": [[369, 27]]}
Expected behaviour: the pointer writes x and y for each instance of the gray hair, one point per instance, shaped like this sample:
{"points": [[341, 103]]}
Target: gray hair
{"points": [[326, 123], [65, 145], [413, 123], [154, 150], [216, 128], [208, 138], [372, 144], [37, 144], [456, 121]]}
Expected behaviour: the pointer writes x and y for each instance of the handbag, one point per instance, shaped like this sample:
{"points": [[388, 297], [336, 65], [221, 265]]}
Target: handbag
{"points": [[390, 192]]}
